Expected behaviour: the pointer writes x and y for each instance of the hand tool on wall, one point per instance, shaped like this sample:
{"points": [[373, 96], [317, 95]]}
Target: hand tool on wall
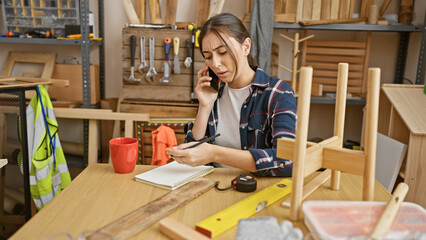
{"points": [[166, 64], [143, 64], [132, 78], [150, 75], [176, 64], [188, 59]]}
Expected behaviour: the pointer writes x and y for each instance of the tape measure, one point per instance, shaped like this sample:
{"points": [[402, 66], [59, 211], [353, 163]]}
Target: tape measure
{"points": [[229, 217]]}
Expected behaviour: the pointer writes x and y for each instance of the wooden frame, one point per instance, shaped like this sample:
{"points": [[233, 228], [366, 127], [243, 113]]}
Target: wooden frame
{"points": [[25, 57], [324, 56], [309, 157]]}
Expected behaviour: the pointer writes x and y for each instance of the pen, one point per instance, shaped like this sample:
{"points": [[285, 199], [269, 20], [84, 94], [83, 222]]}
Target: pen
{"points": [[204, 140]]}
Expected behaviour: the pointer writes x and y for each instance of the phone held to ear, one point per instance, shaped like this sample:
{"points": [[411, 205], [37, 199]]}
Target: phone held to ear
{"points": [[214, 83]]}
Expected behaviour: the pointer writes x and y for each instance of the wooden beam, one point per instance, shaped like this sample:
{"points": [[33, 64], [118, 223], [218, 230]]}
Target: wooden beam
{"points": [[171, 12], [130, 11], [203, 8], [345, 160]]}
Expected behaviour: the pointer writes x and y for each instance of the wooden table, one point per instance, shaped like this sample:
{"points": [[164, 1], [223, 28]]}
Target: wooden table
{"points": [[402, 116], [99, 196]]}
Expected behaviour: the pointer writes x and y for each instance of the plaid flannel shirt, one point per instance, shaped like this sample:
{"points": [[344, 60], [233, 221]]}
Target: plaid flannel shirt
{"points": [[268, 114]]}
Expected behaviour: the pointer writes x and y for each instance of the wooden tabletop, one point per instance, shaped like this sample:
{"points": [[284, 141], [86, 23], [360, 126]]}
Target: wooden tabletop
{"points": [[99, 196], [410, 102]]}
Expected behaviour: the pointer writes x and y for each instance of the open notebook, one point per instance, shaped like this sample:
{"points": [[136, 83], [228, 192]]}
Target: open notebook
{"points": [[173, 175]]}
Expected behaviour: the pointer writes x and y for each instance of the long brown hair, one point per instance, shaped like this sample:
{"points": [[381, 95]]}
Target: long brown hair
{"points": [[228, 25]]}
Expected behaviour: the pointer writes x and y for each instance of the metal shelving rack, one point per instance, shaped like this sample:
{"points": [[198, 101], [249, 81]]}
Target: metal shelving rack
{"points": [[85, 44]]}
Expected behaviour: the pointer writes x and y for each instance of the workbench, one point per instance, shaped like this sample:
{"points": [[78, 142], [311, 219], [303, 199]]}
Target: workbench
{"points": [[99, 196], [402, 116]]}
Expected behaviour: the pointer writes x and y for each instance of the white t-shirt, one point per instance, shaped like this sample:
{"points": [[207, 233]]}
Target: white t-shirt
{"points": [[229, 112]]}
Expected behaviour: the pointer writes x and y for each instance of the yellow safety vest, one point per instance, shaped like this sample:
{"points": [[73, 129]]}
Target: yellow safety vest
{"points": [[48, 168]]}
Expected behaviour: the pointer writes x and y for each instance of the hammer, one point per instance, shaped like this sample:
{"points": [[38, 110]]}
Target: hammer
{"points": [[132, 78]]}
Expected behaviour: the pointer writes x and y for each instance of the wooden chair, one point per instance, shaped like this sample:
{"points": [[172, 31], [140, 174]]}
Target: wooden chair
{"points": [[323, 57], [309, 157]]}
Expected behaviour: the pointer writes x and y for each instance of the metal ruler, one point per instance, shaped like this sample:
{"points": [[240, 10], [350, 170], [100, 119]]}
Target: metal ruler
{"points": [[229, 217]]}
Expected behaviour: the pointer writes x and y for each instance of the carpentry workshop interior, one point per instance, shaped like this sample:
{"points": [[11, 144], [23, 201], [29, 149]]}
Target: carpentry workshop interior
{"points": [[199, 119]]}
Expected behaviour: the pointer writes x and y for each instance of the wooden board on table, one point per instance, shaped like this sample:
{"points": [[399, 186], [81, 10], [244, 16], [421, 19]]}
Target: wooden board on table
{"points": [[152, 212]]}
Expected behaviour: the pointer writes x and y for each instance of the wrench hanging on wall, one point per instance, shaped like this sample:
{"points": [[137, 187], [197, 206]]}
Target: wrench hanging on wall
{"points": [[150, 75]]}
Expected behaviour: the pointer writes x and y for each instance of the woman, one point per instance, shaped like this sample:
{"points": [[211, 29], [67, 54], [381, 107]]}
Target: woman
{"points": [[251, 110]]}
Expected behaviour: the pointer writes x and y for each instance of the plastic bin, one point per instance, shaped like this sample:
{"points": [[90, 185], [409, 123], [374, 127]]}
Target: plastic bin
{"points": [[356, 219]]}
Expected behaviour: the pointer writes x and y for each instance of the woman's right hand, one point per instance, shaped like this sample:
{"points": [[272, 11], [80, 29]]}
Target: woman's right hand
{"points": [[205, 94]]}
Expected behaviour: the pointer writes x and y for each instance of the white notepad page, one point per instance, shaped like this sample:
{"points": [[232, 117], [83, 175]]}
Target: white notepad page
{"points": [[173, 175]]}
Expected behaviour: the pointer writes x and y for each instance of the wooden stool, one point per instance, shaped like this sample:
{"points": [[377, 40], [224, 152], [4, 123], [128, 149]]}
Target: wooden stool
{"points": [[309, 157]]}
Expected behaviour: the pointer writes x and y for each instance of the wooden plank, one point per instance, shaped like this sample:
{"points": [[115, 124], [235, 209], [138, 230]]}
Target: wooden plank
{"points": [[325, 9], [344, 9], [326, 73], [307, 9], [343, 20], [334, 9], [336, 51], [140, 10], [351, 8], [203, 8], [335, 59], [216, 8], [157, 111], [171, 12], [366, 61], [332, 88], [345, 160], [336, 44], [145, 216], [285, 17], [316, 10], [160, 93], [333, 81], [333, 66], [130, 11], [290, 6], [299, 10], [154, 10], [98, 114], [178, 231]]}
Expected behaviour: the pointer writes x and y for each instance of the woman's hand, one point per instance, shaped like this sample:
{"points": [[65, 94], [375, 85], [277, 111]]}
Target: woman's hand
{"points": [[196, 156], [205, 94]]}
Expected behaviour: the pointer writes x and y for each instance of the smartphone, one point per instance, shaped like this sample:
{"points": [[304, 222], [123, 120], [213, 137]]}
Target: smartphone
{"points": [[214, 83]]}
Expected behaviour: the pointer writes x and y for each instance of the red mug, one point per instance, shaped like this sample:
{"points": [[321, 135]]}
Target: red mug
{"points": [[124, 153]]}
